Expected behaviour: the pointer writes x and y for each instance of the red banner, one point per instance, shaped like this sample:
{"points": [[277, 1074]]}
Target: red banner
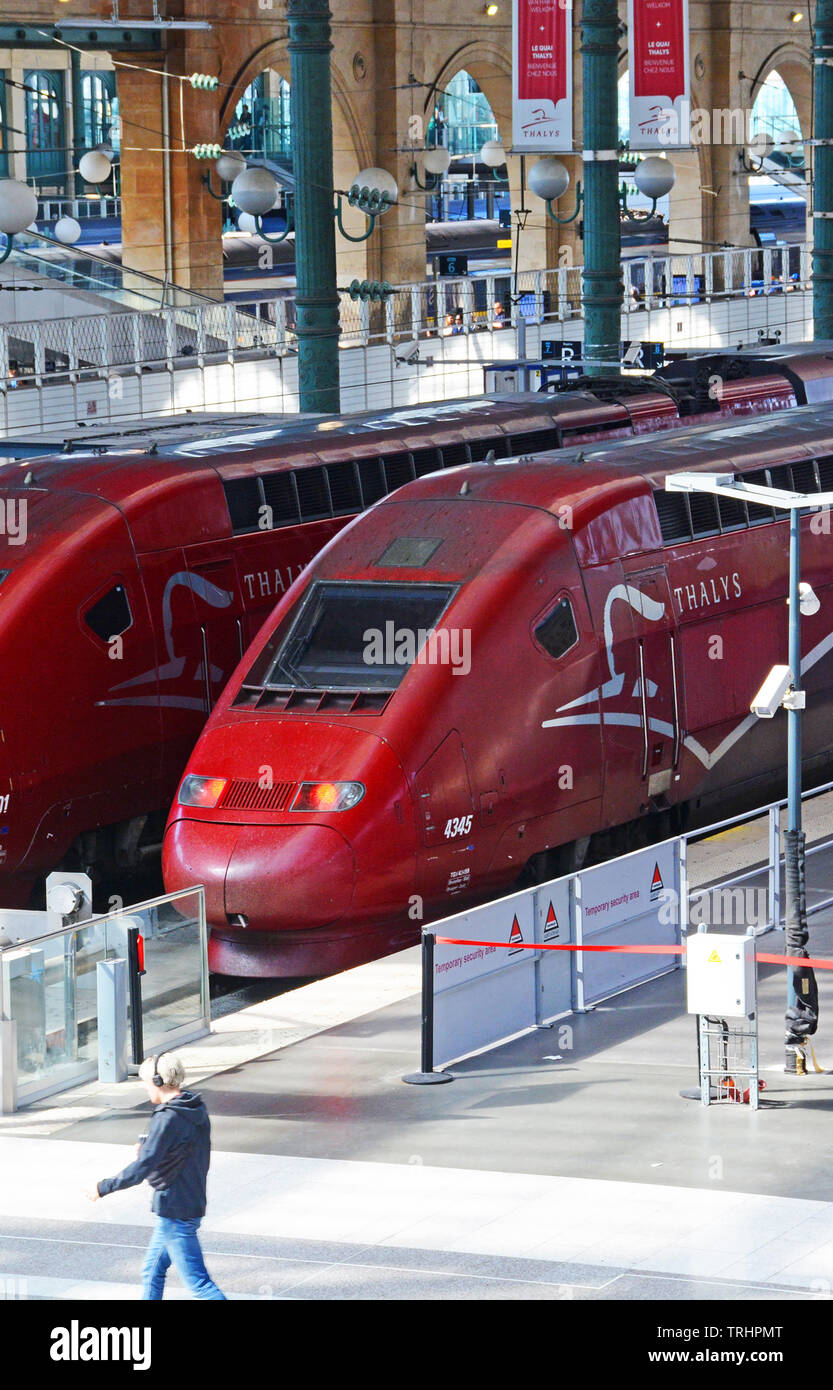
{"points": [[542, 75], [660, 93], [542, 51]]}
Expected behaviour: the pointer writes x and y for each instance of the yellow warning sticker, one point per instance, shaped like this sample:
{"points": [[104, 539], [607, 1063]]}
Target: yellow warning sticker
{"points": [[714, 959]]}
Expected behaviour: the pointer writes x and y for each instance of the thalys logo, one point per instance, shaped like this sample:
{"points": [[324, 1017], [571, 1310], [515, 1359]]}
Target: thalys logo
{"points": [[653, 611], [174, 667]]}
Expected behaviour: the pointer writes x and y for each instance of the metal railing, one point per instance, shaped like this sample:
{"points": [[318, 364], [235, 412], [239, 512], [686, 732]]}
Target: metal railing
{"points": [[56, 1015], [706, 290], [75, 349], [774, 862], [553, 296], [475, 999], [103, 205]]}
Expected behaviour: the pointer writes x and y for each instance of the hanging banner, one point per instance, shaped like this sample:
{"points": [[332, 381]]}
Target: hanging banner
{"points": [[542, 75], [660, 97]]}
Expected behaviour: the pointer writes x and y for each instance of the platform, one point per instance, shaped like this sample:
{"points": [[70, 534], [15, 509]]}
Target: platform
{"points": [[561, 1165]]}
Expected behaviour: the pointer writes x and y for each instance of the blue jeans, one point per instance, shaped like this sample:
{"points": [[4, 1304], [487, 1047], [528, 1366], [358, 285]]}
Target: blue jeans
{"points": [[176, 1242]]}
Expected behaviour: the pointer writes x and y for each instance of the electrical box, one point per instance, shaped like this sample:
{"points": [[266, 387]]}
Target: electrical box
{"points": [[720, 975], [512, 376]]}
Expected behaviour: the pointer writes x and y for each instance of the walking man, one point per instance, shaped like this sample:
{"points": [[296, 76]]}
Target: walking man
{"points": [[174, 1156]]}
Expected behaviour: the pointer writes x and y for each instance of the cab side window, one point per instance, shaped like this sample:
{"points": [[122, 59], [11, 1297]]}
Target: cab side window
{"points": [[110, 615], [557, 633]]}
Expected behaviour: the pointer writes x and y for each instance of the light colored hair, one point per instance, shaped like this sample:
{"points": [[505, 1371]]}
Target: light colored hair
{"points": [[168, 1066]]}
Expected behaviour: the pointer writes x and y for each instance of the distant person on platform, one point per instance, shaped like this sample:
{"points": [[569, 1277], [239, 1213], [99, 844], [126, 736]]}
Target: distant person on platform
{"points": [[173, 1156], [458, 325], [448, 327], [498, 315]]}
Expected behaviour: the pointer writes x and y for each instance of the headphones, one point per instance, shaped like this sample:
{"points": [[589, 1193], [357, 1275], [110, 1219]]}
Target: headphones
{"points": [[156, 1078]]}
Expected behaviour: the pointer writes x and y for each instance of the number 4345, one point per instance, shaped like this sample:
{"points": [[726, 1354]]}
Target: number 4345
{"points": [[458, 825]]}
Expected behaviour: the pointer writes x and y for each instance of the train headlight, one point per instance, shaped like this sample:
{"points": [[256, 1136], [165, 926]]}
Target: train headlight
{"points": [[327, 796], [204, 792]]}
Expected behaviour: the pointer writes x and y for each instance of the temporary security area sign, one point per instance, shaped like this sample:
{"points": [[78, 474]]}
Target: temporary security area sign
{"points": [[660, 97], [542, 75]]}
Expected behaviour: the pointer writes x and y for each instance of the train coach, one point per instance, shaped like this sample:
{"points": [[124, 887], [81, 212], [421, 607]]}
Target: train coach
{"points": [[494, 670], [134, 575]]}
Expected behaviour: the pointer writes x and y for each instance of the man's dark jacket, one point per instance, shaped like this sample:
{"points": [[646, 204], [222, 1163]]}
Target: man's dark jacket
{"points": [[174, 1158]]}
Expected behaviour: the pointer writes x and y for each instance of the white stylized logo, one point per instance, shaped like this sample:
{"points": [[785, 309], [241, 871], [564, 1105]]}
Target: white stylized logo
{"points": [[653, 612], [175, 665]]}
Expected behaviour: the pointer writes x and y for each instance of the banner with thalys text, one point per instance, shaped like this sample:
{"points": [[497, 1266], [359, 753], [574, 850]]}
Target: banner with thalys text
{"points": [[542, 75], [660, 97]]}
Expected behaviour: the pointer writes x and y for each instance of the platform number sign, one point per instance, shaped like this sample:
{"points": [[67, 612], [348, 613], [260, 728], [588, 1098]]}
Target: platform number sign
{"points": [[454, 265], [647, 356], [561, 350]]}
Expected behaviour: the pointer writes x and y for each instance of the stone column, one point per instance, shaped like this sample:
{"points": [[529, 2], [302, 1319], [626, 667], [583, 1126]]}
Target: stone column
{"points": [[194, 257], [401, 231]]}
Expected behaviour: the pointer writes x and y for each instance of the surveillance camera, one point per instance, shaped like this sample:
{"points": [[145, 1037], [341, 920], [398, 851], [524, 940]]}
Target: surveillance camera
{"points": [[411, 356], [770, 697]]}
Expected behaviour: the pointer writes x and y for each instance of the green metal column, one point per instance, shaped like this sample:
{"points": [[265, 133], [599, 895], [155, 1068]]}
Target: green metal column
{"points": [[823, 177], [316, 299], [602, 289], [78, 143]]}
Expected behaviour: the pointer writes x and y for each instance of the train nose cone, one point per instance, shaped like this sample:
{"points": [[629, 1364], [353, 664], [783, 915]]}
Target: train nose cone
{"points": [[276, 877], [287, 878]]}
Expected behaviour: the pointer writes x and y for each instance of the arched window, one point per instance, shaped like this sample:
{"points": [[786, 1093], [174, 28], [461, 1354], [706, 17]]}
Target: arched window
{"points": [[47, 158], [774, 114], [462, 119], [101, 109], [265, 107]]}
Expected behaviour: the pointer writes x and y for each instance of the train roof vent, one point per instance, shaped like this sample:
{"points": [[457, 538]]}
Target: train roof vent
{"points": [[732, 512], [535, 441], [399, 470], [454, 454], [243, 496], [704, 516], [313, 493], [280, 496], [372, 480], [345, 491], [805, 478], [759, 515], [481, 448], [672, 512], [825, 468], [426, 461]]}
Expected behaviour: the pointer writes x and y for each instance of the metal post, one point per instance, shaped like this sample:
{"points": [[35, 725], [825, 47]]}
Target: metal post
{"points": [[111, 991], [823, 171], [427, 1076], [8, 1066], [774, 875], [802, 996], [316, 298], [134, 985], [77, 183], [602, 289]]}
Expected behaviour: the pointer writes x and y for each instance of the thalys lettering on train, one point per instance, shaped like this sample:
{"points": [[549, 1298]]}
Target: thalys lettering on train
{"points": [[143, 574], [599, 710]]}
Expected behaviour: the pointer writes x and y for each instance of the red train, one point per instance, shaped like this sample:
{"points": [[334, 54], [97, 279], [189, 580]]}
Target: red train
{"points": [[488, 671], [134, 575]]}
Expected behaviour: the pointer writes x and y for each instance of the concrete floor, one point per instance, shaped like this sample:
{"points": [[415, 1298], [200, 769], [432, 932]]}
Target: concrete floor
{"points": [[561, 1165]]}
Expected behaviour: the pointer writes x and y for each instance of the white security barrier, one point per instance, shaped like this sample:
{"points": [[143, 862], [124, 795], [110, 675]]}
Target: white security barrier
{"points": [[483, 995], [634, 900]]}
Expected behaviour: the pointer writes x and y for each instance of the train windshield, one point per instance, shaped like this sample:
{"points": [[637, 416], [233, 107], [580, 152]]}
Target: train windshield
{"points": [[354, 636]]}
